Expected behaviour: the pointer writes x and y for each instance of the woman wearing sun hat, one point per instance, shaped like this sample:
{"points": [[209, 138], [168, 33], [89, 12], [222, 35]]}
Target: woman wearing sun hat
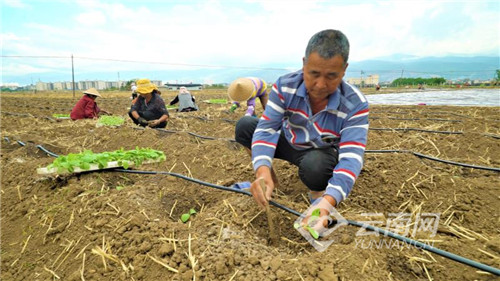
{"points": [[248, 89], [149, 109], [86, 107], [186, 101]]}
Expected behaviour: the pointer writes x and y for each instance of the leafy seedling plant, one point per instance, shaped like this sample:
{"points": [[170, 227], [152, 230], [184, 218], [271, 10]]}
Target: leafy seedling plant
{"points": [[109, 120], [312, 221], [185, 217]]}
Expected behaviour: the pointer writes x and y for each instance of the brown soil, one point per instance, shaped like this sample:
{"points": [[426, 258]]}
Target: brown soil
{"points": [[80, 227]]}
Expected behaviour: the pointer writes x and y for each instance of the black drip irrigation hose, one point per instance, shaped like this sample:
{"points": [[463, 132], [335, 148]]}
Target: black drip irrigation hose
{"points": [[418, 130], [417, 244], [415, 119], [492, 135], [47, 151], [436, 159], [456, 163]]}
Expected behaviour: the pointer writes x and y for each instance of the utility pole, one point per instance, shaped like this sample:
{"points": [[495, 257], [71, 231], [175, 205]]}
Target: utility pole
{"points": [[402, 71], [119, 81], [73, 75], [362, 81]]}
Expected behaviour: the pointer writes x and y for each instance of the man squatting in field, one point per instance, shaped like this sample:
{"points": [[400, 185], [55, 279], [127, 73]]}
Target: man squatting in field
{"points": [[314, 120]]}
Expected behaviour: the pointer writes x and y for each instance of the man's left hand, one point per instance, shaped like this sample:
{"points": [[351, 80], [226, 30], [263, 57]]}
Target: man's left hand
{"points": [[325, 207]]}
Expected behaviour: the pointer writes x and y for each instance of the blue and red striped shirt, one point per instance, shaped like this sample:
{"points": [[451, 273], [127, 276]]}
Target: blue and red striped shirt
{"points": [[344, 121]]}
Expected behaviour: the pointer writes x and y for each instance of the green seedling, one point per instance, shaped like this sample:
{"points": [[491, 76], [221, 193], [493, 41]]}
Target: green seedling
{"points": [[218, 101], [86, 158], [119, 187], [312, 220], [172, 107], [109, 120], [60, 115], [185, 217], [313, 232]]}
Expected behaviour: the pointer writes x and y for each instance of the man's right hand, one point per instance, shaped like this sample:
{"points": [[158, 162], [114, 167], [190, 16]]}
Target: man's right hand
{"points": [[263, 172], [142, 121]]}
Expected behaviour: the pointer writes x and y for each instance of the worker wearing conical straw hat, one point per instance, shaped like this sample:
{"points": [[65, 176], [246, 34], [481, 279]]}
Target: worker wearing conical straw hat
{"points": [[248, 89], [86, 107]]}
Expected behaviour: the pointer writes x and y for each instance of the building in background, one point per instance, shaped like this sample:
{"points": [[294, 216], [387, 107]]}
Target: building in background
{"points": [[81, 85], [368, 81], [189, 86]]}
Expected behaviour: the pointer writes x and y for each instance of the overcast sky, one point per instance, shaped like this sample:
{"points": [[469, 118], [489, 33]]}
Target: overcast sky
{"points": [[236, 33]]}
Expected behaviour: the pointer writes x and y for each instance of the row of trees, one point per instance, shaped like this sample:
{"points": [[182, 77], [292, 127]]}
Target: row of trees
{"points": [[416, 81]]}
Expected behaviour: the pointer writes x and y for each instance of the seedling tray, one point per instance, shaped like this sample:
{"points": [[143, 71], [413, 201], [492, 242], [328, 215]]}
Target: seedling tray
{"points": [[93, 167]]}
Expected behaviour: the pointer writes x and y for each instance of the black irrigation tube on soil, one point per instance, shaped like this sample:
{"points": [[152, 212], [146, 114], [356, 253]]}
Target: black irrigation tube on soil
{"points": [[415, 119], [417, 244], [418, 130], [436, 159]]}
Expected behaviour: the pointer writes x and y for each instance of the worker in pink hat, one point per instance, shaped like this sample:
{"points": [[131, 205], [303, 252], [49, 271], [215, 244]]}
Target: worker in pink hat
{"points": [[248, 89]]}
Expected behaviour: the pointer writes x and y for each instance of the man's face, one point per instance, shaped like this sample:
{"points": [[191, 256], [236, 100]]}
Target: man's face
{"points": [[323, 76]]}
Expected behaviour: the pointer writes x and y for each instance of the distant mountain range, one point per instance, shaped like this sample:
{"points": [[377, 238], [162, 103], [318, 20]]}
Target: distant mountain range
{"points": [[450, 67], [388, 68]]}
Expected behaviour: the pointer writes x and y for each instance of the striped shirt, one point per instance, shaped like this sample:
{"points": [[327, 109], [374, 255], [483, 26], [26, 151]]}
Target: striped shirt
{"points": [[260, 88], [344, 121]]}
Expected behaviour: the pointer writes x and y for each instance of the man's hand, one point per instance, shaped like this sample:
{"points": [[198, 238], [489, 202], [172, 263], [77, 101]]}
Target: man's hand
{"points": [[154, 123], [326, 206], [262, 199], [142, 121]]}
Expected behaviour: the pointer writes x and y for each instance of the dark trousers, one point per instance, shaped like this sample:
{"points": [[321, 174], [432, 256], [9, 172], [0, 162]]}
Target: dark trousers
{"points": [[315, 164], [161, 125]]}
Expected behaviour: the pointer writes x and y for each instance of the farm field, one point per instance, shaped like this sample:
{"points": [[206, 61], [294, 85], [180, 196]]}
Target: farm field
{"points": [[111, 225]]}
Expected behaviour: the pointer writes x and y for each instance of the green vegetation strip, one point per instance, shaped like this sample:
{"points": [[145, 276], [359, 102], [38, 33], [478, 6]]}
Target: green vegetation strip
{"points": [[60, 115], [220, 101], [84, 159], [109, 120]]}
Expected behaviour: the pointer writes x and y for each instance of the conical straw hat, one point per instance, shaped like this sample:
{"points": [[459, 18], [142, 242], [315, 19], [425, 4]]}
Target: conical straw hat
{"points": [[92, 91], [241, 89]]}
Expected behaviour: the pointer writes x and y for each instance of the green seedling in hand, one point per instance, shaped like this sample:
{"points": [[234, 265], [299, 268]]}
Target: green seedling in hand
{"points": [[312, 219], [313, 232]]}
